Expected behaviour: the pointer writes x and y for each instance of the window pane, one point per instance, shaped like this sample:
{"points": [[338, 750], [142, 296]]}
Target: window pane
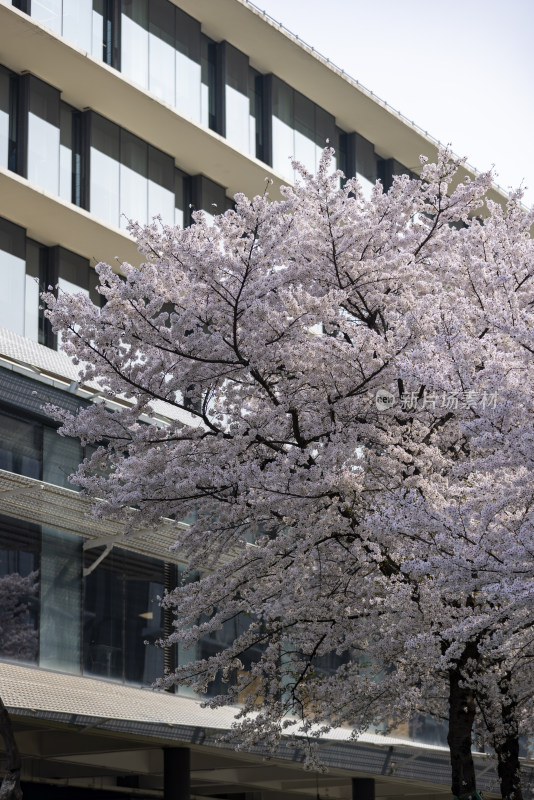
{"points": [[121, 612], [134, 33], [181, 198], [36, 255], [325, 129], [103, 617], [208, 196], [133, 179], [208, 110], [188, 69], [104, 169], [65, 153], [341, 152], [366, 185], [73, 270], [61, 601], [255, 83], [282, 128], [160, 186], [77, 19], [48, 12], [144, 618], [161, 50], [43, 136], [20, 446], [12, 276], [305, 131], [237, 105], [97, 24], [365, 158], [19, 589], [4, 117], [31, 309], [61, 457]]}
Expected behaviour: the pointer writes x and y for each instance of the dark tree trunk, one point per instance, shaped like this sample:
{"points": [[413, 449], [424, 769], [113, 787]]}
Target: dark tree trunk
{"points": [[460, 734], [507, 749], [508, 768], [10, 788]]}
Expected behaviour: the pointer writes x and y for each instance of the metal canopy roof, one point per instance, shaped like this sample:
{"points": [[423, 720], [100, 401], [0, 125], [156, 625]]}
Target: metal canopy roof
{"points": [[118, 727]]}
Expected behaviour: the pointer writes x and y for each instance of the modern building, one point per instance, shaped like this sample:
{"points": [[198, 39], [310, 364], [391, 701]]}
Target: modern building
{"points": [[110, 110]]}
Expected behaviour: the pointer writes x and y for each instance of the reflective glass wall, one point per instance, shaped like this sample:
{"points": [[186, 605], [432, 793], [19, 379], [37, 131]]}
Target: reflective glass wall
{"points": [[359, 159], [79, 21], [63, 611], [5, 102], [295, 128], [120, 613], [19, 590], [115, 174], [128, 178], [26, 268], [17, 291], [163, 50]]}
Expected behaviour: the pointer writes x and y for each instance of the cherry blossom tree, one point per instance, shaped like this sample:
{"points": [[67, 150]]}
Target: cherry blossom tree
{"points": [[352, 386]]}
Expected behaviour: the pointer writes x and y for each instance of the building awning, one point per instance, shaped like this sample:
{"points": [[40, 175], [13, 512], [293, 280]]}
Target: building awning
{"points": [[103, 707]]}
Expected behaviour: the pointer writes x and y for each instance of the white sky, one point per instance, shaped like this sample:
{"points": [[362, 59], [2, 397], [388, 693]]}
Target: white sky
{"points": [[461, 69]]}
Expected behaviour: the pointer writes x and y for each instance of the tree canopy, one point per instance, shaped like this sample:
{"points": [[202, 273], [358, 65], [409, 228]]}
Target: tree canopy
{"points": [[352, 387]]}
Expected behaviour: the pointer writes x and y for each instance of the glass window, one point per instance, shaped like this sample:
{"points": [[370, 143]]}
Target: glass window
{"points": [[388, 168], [160, 186], [282, 128], [66, 161], [43, 135], [121, 613], [134, 41], [208, 196], [61, 601], [325, 133], [77, 23], [182, 198], [61, 457], [5, 83], [48, 12], [97, 29], [36, 256], [20, 446], [236, 99], [12, 277], [133, 179], [104, 170], [144, 619], [255, 82], [188, 66], [427, 729], [365, 159], [304, 122], [103, 617], [72, 271], [341, 152], [208, 93], [161, 50], [31, 308], [19, 589]]}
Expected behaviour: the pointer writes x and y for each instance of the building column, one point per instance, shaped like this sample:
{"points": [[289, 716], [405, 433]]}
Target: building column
{"points": [[363, 789], [176, 773]]}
